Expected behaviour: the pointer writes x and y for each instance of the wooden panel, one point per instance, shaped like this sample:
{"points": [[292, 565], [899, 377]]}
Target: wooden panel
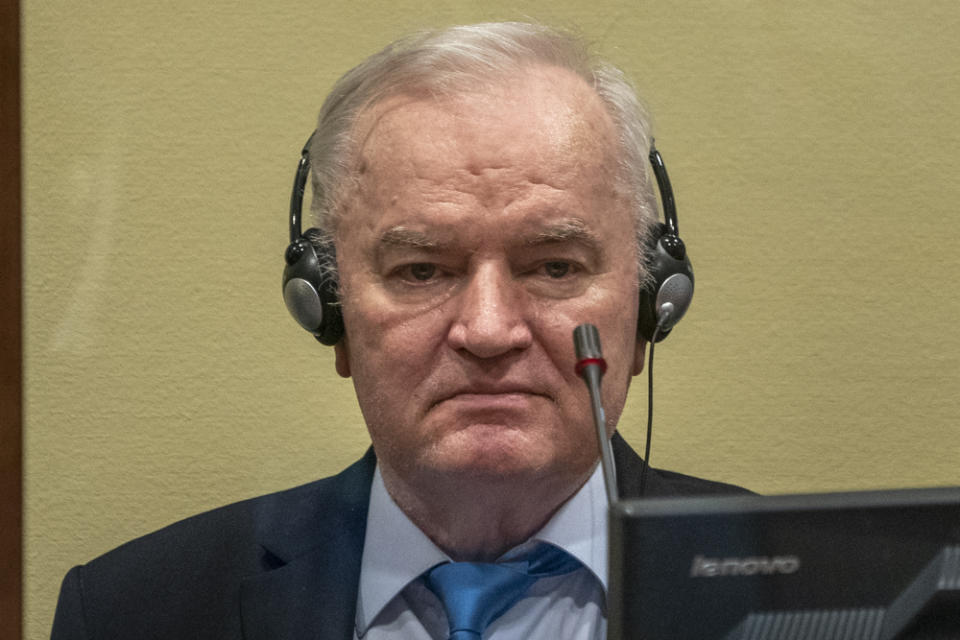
{"points": [[11, 414]]}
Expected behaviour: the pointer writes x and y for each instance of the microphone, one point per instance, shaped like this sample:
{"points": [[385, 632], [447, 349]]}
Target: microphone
{"points": [[591, 366]]}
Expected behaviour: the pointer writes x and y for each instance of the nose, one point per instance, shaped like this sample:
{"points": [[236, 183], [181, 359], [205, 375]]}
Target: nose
{"points": [[491, 318]]}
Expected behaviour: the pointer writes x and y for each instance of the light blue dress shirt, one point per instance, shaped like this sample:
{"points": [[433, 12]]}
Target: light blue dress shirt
{"points": [[393, 601]]}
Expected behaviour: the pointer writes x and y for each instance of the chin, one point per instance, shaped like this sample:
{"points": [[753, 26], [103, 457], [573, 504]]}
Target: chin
{"points": [[495, 452]]}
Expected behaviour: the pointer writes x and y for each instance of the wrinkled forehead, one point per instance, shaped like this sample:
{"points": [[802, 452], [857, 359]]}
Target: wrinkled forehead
{"points": [[539, 114]]}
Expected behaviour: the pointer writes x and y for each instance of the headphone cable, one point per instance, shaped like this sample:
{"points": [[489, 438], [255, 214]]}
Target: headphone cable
{"points": [[664, 317], [646, 449]]}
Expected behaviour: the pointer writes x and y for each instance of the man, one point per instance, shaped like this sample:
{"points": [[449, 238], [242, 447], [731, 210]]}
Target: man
{"points": [[484, 191]]}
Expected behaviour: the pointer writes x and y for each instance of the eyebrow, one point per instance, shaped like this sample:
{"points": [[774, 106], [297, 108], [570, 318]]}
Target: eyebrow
{"points": [[402, 237], [572, 230]]}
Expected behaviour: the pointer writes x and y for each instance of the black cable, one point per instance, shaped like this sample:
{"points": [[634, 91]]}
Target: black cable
{"points": [[646, 449], [663, 317]]}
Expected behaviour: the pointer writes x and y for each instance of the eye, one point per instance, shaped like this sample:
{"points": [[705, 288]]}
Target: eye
{"points": [[556, 269], [422, 271]]}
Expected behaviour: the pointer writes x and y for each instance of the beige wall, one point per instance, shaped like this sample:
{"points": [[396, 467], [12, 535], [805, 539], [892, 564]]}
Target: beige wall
{"points": [[813, 148]]}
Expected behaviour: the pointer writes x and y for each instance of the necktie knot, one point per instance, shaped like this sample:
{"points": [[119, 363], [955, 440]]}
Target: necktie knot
{"points": [[475, 594]]}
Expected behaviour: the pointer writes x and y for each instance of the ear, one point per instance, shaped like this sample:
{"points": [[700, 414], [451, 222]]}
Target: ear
{"points": [[342, 355], [639, 354]]}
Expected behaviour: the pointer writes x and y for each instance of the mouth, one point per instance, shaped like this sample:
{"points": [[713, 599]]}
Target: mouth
{"points": [[491, 397]]}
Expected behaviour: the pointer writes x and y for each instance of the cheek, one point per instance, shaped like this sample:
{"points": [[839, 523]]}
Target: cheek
{"points": [[391, 354], [615, 320], [390, 373], [613, 311]]}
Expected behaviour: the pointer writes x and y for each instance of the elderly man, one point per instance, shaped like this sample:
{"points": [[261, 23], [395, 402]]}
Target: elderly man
{"points": [[479, 192]]}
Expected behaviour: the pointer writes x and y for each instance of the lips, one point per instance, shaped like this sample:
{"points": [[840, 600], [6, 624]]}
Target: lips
{"points": [[492, 395]]}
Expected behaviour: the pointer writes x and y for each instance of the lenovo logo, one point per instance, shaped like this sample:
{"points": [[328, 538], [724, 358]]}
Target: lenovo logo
{"points": [[753, 566]]}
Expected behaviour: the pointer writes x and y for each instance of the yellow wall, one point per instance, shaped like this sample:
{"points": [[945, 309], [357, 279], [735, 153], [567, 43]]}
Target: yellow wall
{"points": [[812, 146]]}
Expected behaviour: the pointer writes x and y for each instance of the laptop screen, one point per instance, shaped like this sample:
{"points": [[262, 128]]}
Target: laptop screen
{"points": [[877, 565]]}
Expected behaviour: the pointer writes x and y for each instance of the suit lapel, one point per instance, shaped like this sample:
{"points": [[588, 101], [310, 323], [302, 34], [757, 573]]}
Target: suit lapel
{"points": [[629, 468], [309, 591], [312, 597]]}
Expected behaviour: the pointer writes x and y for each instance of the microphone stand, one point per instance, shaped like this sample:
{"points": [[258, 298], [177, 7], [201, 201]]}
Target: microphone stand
{"points": [[591, 366]]}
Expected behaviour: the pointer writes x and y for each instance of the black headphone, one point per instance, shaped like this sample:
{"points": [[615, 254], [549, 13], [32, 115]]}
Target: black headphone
{"points": [[667, 295], [310, 289]]}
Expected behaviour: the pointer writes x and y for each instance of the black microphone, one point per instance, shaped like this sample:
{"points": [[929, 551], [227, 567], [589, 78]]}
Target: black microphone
{"points": [[591, 366]]}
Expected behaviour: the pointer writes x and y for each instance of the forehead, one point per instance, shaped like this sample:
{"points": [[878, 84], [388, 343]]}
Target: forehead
{"points": [[544, 120]]}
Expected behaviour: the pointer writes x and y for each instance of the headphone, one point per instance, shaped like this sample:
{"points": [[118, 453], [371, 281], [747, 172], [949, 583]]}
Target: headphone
{"points": [[669, 290], [310, 290]]}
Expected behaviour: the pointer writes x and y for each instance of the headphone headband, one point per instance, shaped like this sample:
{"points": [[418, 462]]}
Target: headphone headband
{"points": [[299, 188]]}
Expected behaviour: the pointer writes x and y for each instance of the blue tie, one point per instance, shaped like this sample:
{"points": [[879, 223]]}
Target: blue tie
{"points": [[475, 594]]}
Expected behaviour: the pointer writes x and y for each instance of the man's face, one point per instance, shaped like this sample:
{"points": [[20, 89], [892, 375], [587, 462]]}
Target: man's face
{"points": [[481, 230]]}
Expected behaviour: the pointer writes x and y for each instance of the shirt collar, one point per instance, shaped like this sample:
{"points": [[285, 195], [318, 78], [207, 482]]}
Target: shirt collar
{"points": [[579, 527], [384, 572]]}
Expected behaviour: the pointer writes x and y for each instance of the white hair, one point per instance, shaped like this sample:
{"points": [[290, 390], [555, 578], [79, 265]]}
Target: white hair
{"points": [[449, 61]]}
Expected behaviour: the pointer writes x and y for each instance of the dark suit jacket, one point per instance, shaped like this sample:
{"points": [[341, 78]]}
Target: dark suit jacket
{"points": [[285, 566]]}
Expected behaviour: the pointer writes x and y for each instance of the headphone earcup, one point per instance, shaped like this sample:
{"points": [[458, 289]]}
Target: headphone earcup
{"points": [[309, 294], [671, 283]]}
